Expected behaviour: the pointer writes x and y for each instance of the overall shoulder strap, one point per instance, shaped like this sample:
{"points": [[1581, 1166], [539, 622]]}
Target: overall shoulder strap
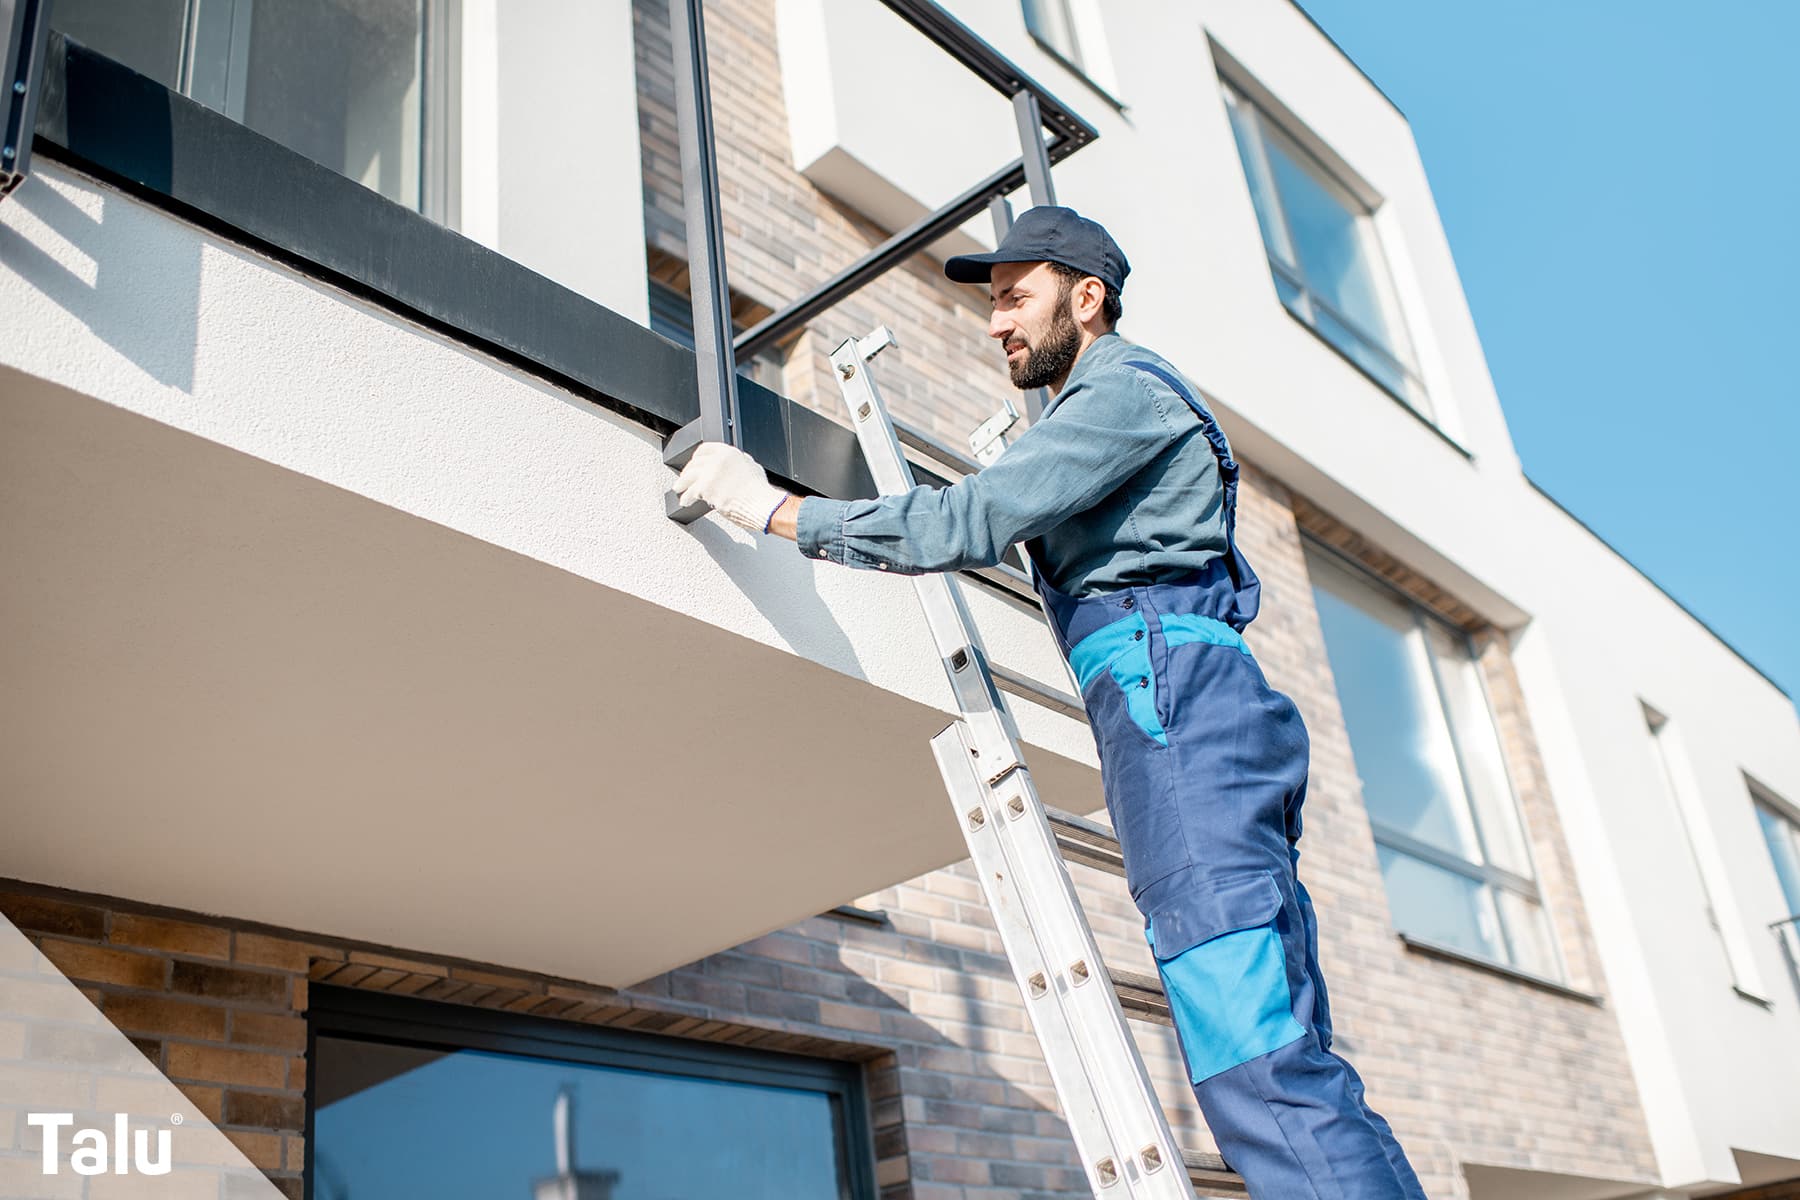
{"points": [[1221, 448], [1249, 588]]}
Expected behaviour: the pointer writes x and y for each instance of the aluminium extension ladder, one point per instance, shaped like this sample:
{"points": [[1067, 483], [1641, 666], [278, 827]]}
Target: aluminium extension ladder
{"points": [[1075, 1004]]}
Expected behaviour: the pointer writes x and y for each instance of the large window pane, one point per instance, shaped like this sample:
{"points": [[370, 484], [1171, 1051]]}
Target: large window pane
{"points": [[340, 81], [1321, 242], [1783, 838], [1262, 184], [398, 1121], [1453, 849], [1484, 766], [1441, 906], [1397, 731], [1050, 22], [1326, 224], [1528, 935], [145, 35]]}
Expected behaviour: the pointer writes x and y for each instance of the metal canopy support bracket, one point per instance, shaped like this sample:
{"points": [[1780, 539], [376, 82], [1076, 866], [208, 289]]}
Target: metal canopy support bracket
{"points": [[27, 26], [714, 360]]}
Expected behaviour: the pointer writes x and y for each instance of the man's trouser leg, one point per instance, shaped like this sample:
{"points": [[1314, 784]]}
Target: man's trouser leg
{"points": [[1236, 945]]}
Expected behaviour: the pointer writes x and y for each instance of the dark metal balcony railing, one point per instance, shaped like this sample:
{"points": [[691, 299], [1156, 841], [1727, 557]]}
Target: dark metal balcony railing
{"points": [[1034, 109], [27, 27], [95, 115]]}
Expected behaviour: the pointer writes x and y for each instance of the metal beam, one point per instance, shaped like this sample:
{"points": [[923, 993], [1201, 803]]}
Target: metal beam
{"points": [[883, 258], [707, 288], [996, 70], [1030, 118], [27, 27]]}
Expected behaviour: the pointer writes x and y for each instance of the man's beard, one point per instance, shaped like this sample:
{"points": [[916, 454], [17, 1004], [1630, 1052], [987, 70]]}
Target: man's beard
{"points": [[1050, 361]]}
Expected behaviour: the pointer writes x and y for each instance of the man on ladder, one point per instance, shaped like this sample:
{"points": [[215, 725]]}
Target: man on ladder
{"points": [[1124, 494]]}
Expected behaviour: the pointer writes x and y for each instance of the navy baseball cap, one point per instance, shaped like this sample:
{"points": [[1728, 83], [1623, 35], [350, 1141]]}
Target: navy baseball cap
{"points": [[1049, 234]]}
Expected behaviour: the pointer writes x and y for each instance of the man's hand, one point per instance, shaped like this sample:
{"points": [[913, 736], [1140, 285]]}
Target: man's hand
{"points": [[732, 483]]}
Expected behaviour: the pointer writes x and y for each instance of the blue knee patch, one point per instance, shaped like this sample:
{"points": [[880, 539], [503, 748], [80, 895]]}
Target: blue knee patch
{"points": [[1223, 967]]}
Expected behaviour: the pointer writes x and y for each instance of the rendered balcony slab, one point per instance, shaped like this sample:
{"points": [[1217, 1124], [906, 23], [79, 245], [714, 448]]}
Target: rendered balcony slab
{"points": [[233, 687]]}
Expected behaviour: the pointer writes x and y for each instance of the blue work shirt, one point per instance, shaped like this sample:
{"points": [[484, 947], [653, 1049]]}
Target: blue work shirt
{"points": [[1116, 482]]}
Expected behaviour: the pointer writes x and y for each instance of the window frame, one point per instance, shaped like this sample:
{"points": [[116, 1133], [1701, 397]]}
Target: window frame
{"points": [[1092, 65], [1240, 95], [213, 69], [349, 1013], [1486, 874], [1764, 800]]}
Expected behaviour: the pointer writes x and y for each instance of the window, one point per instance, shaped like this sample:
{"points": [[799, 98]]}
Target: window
{"points": [[1447, 829], [407, 1099], [1682, 793], [1782, 833], [1327, 262], [340, 81], [1072, 31]]}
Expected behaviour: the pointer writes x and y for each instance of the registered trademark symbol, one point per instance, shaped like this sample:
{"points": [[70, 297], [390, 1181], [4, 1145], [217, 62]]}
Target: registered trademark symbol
{"points": [[175, 1118]]}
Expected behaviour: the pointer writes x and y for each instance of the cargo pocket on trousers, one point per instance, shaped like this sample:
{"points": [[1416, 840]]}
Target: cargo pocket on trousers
{"points": [[1223, 967]]}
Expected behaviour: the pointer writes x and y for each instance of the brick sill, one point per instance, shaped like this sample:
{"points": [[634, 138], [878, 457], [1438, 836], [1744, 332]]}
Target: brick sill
{"points": [[1446, 953]]}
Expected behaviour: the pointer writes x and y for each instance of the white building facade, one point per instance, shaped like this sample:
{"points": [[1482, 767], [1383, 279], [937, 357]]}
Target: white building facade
{"points": [[346, 611]]}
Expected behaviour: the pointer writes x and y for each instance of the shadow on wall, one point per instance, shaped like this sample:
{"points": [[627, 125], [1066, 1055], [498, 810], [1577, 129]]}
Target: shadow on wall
{"points": [[110, 266], [804, 621]]}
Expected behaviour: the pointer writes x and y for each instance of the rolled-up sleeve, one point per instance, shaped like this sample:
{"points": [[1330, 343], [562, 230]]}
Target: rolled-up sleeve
{"points": [[1101, 431]]}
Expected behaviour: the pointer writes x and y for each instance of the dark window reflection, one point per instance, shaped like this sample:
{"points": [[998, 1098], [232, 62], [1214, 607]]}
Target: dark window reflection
{"points": [[340, 81], [399, 1121]]}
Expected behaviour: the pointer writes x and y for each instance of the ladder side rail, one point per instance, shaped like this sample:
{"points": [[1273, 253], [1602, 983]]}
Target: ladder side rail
{"points": [[1122, 1137], [1088, 1047], [953, 630]]}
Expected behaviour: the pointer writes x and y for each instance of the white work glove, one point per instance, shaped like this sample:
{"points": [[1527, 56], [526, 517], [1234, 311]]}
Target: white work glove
{"points": [[732, 483]]}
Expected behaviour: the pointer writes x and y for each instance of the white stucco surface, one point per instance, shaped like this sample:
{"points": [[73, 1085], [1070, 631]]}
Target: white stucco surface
{"points": [[253, 521]]}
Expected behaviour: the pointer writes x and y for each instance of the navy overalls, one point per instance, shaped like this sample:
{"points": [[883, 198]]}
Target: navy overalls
{"points": [[1204, 767]]}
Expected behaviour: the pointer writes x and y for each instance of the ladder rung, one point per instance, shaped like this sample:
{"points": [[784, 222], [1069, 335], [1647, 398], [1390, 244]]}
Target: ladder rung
{"points": [[1087, 842], [1141, 996], [1210, 1174]]}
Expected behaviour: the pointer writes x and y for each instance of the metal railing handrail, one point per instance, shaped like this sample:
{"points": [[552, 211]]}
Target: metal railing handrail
{"points": [[1035, 108]]}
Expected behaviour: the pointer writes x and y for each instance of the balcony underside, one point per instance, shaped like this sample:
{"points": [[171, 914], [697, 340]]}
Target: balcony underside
{"points": [[234, 688]]}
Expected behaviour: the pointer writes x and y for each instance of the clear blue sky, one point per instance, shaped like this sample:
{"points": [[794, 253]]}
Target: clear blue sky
{"points": [[1621, 189]]}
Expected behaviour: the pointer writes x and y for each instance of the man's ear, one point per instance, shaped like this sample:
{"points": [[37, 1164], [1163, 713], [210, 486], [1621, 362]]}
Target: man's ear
{"points": [[1093, 298]]}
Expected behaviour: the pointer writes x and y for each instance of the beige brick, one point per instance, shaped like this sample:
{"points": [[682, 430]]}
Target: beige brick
{"points": [[262, 1149], [46, 1087], [97, 964], [175, 937], [152, 1096], [162, 1015], [261, 950], [264, 1110], [229, 983], [273, 1030], [49, 914], [219, 1064]]}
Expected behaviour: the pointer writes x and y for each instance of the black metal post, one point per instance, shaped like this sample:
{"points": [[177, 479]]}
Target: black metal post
{"points": [[1031, 146], [27, 27], [715, 363]]}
